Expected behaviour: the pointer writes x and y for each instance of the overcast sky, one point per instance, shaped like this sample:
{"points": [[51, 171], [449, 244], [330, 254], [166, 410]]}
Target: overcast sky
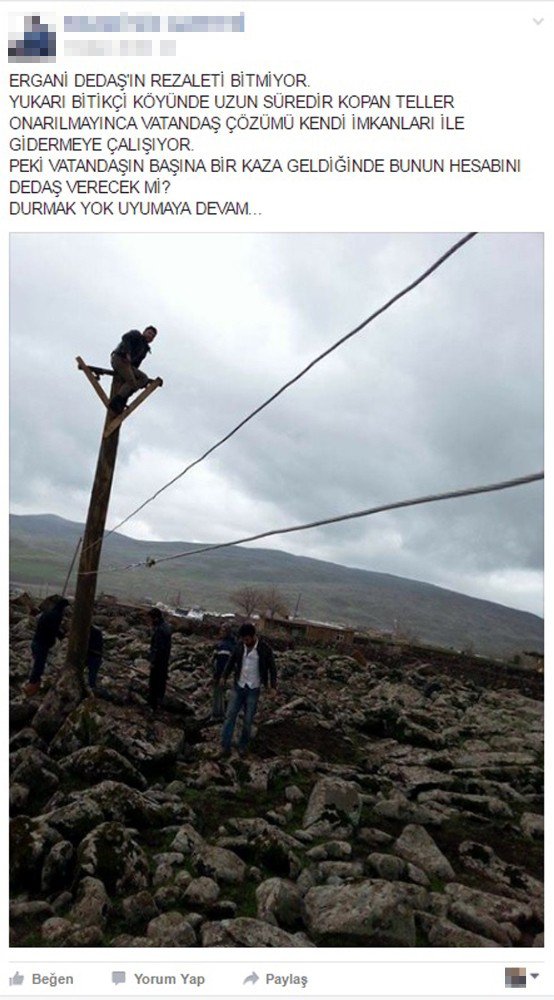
{"points": [[442, 392]]}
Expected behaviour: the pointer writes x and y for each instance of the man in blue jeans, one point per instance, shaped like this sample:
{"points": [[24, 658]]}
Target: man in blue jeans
{"points": [[253, 666]]}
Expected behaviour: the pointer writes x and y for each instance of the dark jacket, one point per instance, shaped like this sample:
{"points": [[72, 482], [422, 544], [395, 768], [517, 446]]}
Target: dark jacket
{"points": [[95, 643], [224, 649], [48, 625], [160, 645], [268, 670], [135, 346]]}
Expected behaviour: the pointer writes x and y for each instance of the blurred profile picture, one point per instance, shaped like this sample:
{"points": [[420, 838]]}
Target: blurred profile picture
{"points": [[32, 39]]}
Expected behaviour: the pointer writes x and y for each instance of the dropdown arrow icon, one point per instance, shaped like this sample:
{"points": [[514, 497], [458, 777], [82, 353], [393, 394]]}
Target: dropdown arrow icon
{"points": [[538, 20], [535, 975]]}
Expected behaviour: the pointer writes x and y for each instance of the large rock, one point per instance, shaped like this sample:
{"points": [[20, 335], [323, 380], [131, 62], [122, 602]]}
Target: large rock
{"points": [[62, 698], [82, 727], [335, 801], [168, 897], [482, 860], [499, 908], [220, 864], [343, 870], [375, 913], [22, 711], [186, 840], [415, 732], [93, 904], [244, 932], [386, 866], [532, 826], [202, 892], [398, 807], [279, 902], [465, 915], [129, 941], [444, 934], [55, 931], [470, 805], [19, 799], [122, 804], [30, 767], [75, 819], [171, 930], [261, 843], [21, 912], [416, 845], [167, 865], [412, 779], [139, 909], [111, 854], [30, 842], [150, 745], [58, 867], [97, 763]]}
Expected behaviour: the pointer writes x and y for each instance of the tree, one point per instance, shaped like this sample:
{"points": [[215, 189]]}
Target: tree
{"points": [[274, 602], [247, 599]]}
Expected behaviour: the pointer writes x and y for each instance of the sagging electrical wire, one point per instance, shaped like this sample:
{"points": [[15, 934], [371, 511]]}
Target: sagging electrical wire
{"points": [[378, 312], [468, 491]]}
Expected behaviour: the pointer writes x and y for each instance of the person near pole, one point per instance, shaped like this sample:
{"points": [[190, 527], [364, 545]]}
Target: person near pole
{"points": [[94, 655], [126, 360], [252, 665], [160, 651], [223, 651], [47, 630]]}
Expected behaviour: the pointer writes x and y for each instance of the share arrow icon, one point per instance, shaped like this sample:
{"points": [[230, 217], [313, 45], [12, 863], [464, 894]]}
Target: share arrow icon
{"points": [[252, 978]]}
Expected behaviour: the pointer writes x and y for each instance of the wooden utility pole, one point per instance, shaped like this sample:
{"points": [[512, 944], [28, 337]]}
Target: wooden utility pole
{"points": [[85, 589]]}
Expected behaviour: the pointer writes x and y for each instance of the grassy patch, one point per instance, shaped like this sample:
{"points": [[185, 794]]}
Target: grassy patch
{"points": [[244, 896], [436, 883]]}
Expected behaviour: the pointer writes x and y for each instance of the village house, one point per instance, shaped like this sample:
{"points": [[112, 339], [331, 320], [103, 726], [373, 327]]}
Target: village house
{"points": [[316, 632]]}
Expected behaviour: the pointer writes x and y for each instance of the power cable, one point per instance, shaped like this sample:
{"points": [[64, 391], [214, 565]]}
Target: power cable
{"points": [[468, 491], [378, 312]]}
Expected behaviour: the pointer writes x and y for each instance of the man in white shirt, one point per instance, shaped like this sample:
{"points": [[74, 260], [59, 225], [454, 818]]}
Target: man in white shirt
{"points": [[253, 666]]}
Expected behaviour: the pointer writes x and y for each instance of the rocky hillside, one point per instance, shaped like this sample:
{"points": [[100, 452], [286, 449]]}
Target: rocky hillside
{"points": [[387, 801]]}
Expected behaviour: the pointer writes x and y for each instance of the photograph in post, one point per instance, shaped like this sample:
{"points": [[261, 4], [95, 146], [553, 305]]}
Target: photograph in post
{"points": [[276, 597]]}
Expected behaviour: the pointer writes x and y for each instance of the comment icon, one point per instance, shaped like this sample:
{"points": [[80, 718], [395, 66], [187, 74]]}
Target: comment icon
{"points": [[118, 977]]}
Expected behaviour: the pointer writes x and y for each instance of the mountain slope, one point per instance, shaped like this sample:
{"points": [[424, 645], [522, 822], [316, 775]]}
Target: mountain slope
{"points": [[42, 547]]}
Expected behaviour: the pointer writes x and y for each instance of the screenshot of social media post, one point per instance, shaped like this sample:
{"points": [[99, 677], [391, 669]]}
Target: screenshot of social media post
{"points": [[277, 291]]}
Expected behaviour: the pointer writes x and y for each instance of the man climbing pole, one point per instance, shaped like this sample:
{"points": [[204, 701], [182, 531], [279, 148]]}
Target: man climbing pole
{"points": [[126, 361]]}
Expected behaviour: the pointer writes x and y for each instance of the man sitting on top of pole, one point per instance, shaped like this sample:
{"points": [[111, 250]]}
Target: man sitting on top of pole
{"points": [[126, 361]]}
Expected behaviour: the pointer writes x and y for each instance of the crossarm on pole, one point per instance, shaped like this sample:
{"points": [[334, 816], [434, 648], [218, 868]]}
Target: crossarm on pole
{"points": [[118, 420], [93, 376]]}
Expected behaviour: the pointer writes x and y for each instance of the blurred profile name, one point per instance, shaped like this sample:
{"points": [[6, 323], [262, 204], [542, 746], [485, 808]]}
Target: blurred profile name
{"points": [[145, 23]]}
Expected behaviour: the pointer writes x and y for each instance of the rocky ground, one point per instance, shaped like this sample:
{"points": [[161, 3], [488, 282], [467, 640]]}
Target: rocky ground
{"points": [[387, 801]]}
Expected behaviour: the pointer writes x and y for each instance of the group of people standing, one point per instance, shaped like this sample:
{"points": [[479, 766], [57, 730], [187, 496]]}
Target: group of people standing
{"points": [[50, 626], [248, 658]]}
